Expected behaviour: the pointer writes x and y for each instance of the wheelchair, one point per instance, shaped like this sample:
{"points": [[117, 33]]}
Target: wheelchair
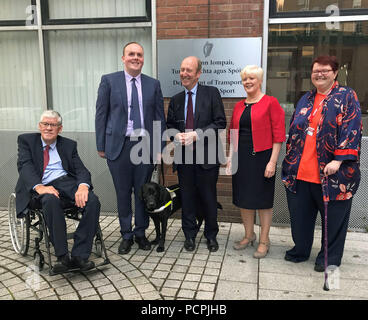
{"points": [[34, 220]]}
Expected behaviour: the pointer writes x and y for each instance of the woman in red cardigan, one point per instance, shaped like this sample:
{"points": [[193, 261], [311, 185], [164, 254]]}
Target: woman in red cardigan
{"points": [[257, 131]]}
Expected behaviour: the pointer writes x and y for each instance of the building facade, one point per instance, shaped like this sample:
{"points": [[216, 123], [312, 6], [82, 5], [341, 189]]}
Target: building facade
{"points": [[53, 53]]}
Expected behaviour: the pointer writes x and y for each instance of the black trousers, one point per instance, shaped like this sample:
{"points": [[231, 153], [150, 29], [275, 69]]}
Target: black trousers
{"points": [[198, 192], [303, 206], [55, 220]]}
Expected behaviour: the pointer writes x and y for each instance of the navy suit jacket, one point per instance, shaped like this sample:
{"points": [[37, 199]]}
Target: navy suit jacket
{"points": [[30, 165], [112, 113], [209, 114]]}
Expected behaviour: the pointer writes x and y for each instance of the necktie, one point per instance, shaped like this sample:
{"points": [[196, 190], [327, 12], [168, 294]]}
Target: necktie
{"points": [[189, 122], [46, 157], [135, 114]]}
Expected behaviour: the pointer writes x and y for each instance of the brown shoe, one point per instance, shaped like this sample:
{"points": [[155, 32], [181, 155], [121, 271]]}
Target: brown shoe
{"points": [[240, 246], [259, 255]]}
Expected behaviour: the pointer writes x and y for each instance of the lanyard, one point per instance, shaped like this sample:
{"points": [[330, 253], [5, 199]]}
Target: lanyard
{"points": [[316, 110], [320, 105]]}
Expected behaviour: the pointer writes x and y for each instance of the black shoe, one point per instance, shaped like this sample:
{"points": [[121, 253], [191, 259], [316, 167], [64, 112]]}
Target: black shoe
{"points": [[288, 258], [63, 264], [294, 259], [82, 264], [319, 268], [189, 244], [143, 243], [125, 246], [212, 245]]}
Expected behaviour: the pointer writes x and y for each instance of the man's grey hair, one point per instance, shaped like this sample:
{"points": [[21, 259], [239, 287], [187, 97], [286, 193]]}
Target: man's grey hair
{"points": [[52, 114]]}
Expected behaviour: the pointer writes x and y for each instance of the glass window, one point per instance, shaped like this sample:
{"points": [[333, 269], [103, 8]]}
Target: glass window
{"points": [[318, 5], [292, 48], [77, 60], [81, 9], [20, 80], [15, 10], [324, 7]]}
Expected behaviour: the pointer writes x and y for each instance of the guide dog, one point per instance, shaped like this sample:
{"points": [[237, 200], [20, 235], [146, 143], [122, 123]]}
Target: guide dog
{"points": [[160, 203]]}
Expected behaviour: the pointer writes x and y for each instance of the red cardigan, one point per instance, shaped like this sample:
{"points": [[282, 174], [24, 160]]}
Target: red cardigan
{"points": [[268, 123]]}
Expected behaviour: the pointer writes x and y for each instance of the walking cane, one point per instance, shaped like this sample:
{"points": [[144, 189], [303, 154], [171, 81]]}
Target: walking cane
{"points": [[326, 199]]}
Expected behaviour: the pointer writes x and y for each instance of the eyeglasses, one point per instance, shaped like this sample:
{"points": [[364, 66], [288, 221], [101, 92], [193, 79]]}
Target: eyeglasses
{"points": [[52, 125], [323, 72]]}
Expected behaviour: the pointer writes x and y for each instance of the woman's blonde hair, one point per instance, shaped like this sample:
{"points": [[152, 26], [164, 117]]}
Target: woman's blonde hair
{"points": [[252, 70]]}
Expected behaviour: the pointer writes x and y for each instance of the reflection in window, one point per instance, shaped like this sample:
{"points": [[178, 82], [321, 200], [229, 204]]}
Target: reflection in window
{"points": [[14, 10], [71, 9], [77, 60], [20, 80], [292, 48], [318, 5]]}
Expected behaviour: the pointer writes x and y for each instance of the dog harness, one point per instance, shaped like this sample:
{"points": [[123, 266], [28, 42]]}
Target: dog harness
{"points": [[170, 203]]}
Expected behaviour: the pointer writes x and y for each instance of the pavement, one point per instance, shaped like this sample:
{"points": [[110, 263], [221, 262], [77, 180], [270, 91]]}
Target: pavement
{"points": [[177, 274]]}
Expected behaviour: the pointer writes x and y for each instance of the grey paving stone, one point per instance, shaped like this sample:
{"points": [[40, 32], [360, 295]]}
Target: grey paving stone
{"points": [[169, 292], [154, 295], [69, 296], [111, 296], [192, 285], [193, 277], [87, 292], [94, 297], [106, 289], [203, 286], [185, 293], [144, 288], [172, 283], [45, 293], [204, 295], [21, 295], [235, 290], [178, 274]]}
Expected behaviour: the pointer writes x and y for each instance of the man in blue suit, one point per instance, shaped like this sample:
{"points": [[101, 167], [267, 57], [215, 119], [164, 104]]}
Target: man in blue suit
{"points": [[129, 106]]}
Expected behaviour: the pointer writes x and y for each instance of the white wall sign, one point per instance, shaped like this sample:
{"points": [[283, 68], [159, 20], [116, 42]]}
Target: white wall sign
{"points": [[222, 60]]}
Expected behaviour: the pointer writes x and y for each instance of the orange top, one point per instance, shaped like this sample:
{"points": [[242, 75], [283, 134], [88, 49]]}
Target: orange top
{"points": [[308, 167]]}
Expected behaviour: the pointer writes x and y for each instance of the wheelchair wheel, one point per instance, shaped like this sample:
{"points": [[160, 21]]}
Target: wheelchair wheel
{"points": [[19, 228]]}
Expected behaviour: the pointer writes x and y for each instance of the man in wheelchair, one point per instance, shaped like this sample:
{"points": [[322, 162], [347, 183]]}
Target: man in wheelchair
{"points": [[51, 174]]}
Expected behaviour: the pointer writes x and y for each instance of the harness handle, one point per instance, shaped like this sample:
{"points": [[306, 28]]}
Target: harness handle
{"points": [[156, 168]]}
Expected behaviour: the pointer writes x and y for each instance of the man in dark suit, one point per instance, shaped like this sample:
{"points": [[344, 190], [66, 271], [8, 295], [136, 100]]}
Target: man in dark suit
{"points": [[130, 117], [51, 175], [198, 113]]}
